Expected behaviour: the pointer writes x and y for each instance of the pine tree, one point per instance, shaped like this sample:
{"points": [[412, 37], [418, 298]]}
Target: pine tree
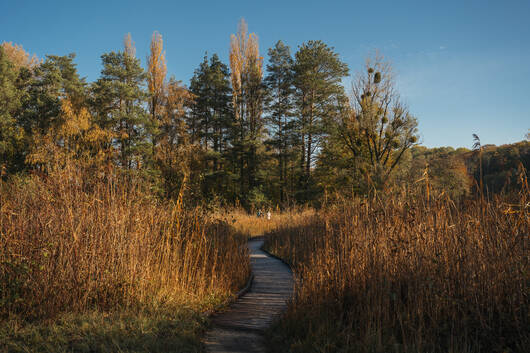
{"points": [[219, 77], [280, 109], [119, 99], [211, 87], [47, 85], [211, 119], [41, 89], [318, 73], [198, 120]]}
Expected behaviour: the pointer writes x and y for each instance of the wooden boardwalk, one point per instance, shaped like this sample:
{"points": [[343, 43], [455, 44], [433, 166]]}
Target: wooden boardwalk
{"points": [[241, 327]]}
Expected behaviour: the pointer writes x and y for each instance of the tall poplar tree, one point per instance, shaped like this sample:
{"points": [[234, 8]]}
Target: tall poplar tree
{"points": [[247, 98], [156, 77]]}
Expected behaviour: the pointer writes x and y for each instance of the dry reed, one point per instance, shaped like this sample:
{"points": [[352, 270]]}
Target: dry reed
{"points": [[406, 274], [250, 225], [69, 244]]}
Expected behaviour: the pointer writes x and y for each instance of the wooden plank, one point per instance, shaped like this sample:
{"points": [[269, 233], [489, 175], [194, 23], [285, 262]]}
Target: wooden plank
{"points": [[240, 328]]}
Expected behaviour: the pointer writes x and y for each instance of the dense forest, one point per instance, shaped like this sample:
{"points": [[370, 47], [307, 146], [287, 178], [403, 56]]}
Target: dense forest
{"points": [[239, 134]]}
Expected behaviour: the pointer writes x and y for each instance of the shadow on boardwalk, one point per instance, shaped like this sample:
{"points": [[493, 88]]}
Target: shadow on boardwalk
{"points": [[241, 327]]}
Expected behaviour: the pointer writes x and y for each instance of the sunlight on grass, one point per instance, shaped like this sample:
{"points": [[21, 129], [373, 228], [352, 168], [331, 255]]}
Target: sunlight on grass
{"points": [[405, 274]]}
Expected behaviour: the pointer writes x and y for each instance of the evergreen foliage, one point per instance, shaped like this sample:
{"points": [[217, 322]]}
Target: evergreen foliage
{"points": [[320, 97], [119, 101], [280, 109], [234, 137], [11, 134]]}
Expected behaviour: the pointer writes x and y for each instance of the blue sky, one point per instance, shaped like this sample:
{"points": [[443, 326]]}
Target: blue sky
{"points": [[463, 66]]}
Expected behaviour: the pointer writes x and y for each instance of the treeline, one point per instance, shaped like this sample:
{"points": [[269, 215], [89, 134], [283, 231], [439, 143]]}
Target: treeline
{"points": [[457, 172], [240, 133]]}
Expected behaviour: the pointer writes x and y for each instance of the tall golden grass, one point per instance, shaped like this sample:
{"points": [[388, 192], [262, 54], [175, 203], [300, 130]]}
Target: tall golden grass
{"points": [[69, 243], [250, 225], [407, 274]]}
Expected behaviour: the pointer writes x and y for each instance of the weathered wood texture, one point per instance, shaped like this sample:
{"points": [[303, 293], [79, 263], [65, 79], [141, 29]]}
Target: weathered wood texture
{"points": [[240, 328]]}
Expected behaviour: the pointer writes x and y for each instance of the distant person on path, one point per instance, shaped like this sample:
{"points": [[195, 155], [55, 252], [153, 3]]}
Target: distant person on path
{"points": [[269, 215]]}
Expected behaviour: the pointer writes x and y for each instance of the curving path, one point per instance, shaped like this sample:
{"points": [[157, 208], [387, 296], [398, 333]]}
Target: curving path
{"points": [[240, 328]]}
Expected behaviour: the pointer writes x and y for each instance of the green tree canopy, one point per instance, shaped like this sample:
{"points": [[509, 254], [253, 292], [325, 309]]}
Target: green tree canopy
{"points": [[279, 106], [318, 73], [119, 98]]}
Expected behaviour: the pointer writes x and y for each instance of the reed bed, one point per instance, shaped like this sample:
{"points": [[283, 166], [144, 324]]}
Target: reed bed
{"points": [[250, 225], [407, 274], [71, 244]]}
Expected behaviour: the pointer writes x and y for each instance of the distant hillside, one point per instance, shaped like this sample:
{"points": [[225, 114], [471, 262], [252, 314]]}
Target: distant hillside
{"points": [[500, 165], [456, 171]]}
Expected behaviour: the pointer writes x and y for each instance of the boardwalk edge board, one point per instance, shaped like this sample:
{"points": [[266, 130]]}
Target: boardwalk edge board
{"points": [[242, 292]]}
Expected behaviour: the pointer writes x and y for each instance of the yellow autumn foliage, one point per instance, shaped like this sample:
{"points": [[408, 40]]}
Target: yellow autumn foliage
{"points": [[173, 132], [128, 45], [156, 66], [18, 56], [245, 63], [76, 137]]}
